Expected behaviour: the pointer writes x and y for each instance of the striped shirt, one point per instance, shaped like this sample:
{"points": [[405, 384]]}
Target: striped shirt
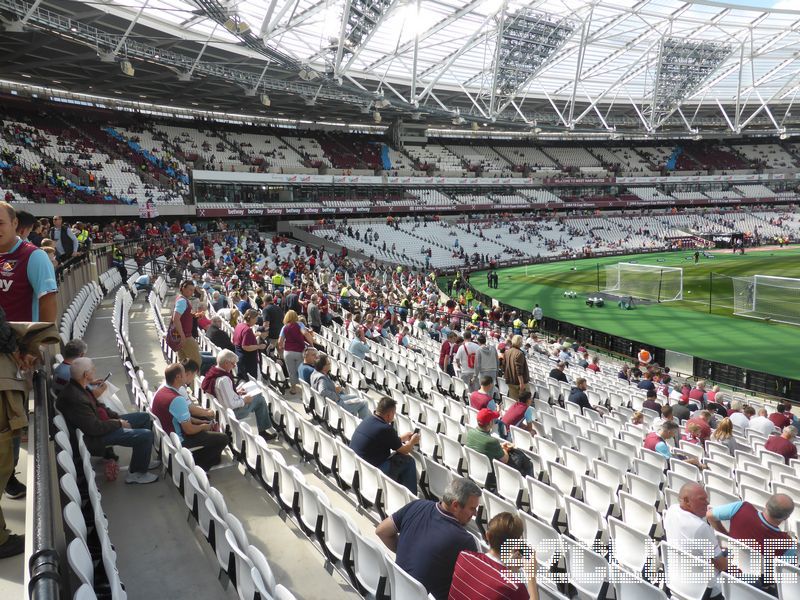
{"points": [[479, 577]]}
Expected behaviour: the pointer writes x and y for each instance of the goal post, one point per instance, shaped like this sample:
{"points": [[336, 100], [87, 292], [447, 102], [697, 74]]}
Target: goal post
{"points": [[649, 282], [767, 297]]}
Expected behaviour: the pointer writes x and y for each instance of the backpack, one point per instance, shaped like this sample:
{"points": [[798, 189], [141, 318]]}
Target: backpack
{"points": [[470, 358]]}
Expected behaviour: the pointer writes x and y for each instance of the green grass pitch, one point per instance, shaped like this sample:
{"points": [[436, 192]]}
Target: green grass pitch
{"points": [[683, 326]]}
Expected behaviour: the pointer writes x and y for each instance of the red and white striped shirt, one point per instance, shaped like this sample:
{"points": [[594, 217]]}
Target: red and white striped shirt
{"points": [[479, 577]]}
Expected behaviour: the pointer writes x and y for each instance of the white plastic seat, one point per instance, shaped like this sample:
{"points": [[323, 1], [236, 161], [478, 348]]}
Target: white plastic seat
{"points": [[479, 467], [641, 516], [85, 592], [80, 561], [308, 505], [369, 565], [686, 576], [404, 585], [544, 539], [585, 523], [562, 478], [336, 540], [452, 453], [510, 482], [261, 574], [370, 490], [598, 495], [632, 549], [347, 466], [282, 593], [546, 502], [788, 580], [437, 478], [588, 571], [395, 496], [631, 587]]}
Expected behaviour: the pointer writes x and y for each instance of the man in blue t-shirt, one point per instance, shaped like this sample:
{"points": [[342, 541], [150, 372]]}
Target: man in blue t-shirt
{"points": [[375, 439], [427, 536], [196, 434]]}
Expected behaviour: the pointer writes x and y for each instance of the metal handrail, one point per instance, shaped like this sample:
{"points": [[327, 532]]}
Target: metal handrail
{"points": [[43, 564]]}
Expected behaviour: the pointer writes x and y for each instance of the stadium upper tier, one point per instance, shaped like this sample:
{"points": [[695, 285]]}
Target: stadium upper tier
{"points": [[75, 156], [458, 242]]}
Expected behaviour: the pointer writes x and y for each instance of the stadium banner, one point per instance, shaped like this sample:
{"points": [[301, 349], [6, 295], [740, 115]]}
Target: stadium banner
{"points": [[288, 209]]}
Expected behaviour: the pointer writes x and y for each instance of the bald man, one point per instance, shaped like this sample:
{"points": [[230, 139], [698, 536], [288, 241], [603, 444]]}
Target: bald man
{"points": [[685, 523]]}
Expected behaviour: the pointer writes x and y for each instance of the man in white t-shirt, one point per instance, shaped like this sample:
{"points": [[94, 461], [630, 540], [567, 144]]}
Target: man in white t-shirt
{"points": [[686, 527], [761, 423], [465, 361]]}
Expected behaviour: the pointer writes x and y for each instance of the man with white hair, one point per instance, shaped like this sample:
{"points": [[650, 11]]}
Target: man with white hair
{"points": [[102, 427], [219, 383], [761, 423]]}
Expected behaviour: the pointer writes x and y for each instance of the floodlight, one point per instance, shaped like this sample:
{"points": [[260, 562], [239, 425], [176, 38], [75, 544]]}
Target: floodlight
{"points": [[127, 68]]}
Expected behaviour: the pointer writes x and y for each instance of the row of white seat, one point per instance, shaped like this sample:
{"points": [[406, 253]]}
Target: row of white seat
{"points": [[76, 317]]}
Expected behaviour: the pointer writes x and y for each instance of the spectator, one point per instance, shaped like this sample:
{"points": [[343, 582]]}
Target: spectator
{"points": [[716, 406], [723, 434], [761, 424], [482, 398], [651, 402], [557, 372], [65, 239], [375, 439], [19, 353], [686, 528], [272, 319], [218, 336], [292, 341], [191, 422], [578, 394], [61, 374], [25, 225], [780, 418], [142, 283], [321, 381], [446, 353], [218, 301], [698, 393], [702, 419], [753, 527], [485, 575], [683, 410], [247, 346], [103, 427], [646, 383], [481, 440], [741, 418], [486, 363], [427, 536], [520, 414], [783, 444], [515, 369], [218, 382], [28, 287], [595, 364], [359, 346], [666, 415], [305, 370], [692, 434], [466, 359], [182, 323], [314, 314], [659, 442]]}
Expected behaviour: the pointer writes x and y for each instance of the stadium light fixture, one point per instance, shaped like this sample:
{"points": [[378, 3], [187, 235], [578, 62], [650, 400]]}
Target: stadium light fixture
{"points": [[127, 68], [265, 100], [376, 116], [527, 40]]}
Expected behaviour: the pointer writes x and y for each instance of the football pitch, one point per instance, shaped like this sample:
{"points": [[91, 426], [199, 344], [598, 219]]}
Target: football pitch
{"points": [[687, 325]]}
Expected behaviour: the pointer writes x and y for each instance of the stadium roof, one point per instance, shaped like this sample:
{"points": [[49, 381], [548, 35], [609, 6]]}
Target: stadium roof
{"points": [[604, 65]]}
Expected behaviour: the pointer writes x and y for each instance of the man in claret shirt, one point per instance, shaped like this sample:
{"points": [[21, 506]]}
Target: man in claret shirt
{"points": [[27, 278]]}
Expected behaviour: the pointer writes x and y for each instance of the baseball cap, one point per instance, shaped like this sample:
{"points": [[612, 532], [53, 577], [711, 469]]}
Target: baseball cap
{"points": [[486, 416]]}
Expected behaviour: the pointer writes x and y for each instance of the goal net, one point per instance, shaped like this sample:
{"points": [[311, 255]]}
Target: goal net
{"points": [[767, 297], [649, 282]]}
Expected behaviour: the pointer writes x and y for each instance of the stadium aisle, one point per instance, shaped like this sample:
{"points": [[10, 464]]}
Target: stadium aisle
{"points": [[294, 561], [12, 569], [147, 523]]}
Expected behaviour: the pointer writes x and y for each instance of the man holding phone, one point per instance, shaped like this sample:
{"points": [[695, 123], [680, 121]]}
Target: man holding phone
{"points": [[375, 439]]}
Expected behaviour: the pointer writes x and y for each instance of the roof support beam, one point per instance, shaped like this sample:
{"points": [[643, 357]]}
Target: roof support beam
{"points": [[130, 28]]}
